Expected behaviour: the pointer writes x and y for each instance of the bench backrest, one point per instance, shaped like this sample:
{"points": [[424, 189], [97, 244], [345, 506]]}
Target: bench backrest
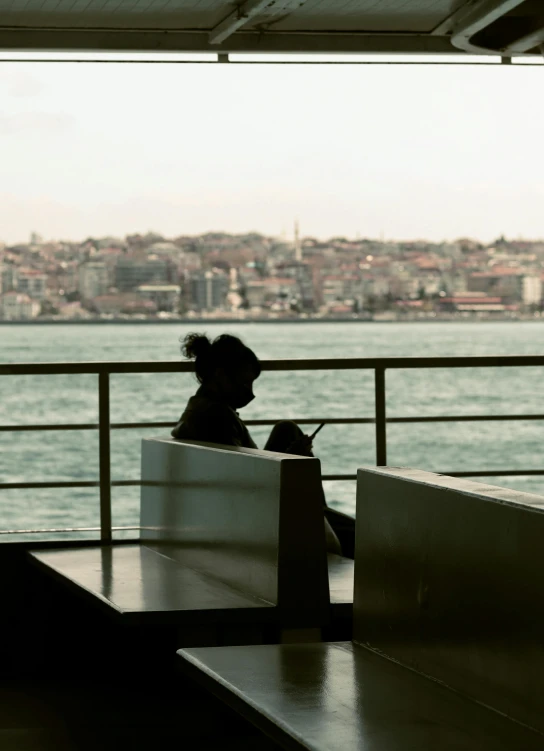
{"points": [[449, 580], [249, 518]]}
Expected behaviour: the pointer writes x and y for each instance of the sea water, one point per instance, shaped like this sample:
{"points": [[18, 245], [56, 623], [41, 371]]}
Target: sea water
{"points": [[73, 455]]}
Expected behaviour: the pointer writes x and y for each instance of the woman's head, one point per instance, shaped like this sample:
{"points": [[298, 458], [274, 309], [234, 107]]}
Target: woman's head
{"points": [[225, 364]]}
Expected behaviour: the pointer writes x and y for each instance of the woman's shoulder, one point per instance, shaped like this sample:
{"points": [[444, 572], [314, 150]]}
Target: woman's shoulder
{"points": [[205, 419], [218, 414]]}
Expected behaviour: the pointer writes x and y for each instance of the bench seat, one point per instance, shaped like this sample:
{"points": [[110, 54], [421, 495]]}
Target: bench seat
{"points": [[325, 697], [227, 535], [143, 586], [447, 649]]}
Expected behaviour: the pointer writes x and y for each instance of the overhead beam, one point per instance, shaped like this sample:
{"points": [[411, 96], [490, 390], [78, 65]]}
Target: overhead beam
{"points": [[237, 19], [243, 42], [476, 17], [526, 43], [447, 24]]}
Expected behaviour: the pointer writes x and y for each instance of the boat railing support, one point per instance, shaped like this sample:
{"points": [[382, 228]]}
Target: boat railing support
{"points": [[104, 450], [381, 425]]}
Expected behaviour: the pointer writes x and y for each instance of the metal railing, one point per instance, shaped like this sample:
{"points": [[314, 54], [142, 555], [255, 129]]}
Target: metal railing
{"points": [[103, 370]]}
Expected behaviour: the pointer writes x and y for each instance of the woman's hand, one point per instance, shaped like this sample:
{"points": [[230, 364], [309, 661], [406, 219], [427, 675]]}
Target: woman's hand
{"points": [[301, 447]]}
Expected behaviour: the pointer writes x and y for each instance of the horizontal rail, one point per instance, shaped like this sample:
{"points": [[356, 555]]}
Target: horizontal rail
{"points": [[52, 484], [465, 418], [59, 426], [298, 420], [497, 473], [62, 530], [471, 473], [352, 363], [325, 478], [65, 484]]}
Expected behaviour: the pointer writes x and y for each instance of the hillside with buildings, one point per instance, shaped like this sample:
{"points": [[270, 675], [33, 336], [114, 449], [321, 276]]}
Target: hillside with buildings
{"points": [[220, 275]]}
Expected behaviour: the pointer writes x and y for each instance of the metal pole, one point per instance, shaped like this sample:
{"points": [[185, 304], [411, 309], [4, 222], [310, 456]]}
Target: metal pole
{"points": [[104, 456], [381, 435]]}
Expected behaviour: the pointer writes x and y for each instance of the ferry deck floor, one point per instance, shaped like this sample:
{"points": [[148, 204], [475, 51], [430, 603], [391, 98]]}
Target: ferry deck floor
{"points": [[72, 679], [87, 715]]}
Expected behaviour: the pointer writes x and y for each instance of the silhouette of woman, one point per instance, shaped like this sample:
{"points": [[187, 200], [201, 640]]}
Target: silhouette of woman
{"points": [[226, 370]]}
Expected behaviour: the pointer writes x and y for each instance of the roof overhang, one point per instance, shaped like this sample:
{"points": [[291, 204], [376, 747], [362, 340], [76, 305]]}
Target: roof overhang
{"points": [[483, 27]]}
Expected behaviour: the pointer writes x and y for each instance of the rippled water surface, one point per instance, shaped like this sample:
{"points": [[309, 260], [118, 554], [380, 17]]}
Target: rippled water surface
{"points": [[73, 455]]}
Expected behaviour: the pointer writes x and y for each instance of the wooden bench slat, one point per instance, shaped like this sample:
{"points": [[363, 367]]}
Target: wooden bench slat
{"points": [[325, 697]]}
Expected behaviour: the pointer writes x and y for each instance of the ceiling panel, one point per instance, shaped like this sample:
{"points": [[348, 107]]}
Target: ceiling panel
{"points": [[314, 26], [115, 14], [417, 16], [285, 15]]}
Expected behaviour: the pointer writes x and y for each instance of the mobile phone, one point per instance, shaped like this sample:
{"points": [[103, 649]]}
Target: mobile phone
{"points": [[317, 431]]}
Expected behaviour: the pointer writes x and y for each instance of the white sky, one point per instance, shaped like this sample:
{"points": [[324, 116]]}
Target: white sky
{"points": [[411, 152]]}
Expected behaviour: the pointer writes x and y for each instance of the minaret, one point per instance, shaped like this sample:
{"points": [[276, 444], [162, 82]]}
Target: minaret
{"points": [[298, 246]]}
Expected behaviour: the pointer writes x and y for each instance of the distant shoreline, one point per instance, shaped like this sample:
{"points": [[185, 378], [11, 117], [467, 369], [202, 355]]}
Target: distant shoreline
{"points": [[230, 321], [184, 321]]}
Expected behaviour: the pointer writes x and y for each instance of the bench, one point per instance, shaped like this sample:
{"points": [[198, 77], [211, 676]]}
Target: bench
{"points": [[228, 535], [448, 643]]}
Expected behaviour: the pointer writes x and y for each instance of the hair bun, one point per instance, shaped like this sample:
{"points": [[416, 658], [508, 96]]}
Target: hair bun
{"points": [[195, 345]]}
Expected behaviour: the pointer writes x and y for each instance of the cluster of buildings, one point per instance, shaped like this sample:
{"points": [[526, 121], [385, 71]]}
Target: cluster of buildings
{"points": [[223, 275]]}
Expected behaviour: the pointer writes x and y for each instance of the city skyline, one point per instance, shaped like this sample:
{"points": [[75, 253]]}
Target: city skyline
{"points": [[263, 277], [399, 152], [289, 237]]}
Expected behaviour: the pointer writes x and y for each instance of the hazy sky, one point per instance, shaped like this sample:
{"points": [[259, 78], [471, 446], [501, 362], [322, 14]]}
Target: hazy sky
{"points": [[411, 152]]}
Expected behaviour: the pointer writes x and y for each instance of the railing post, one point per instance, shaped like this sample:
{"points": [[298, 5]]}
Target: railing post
{"points": [[381, 425], [104, 455]]}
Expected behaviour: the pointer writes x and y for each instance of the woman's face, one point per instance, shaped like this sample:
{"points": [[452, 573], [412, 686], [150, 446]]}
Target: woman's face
{"points": [[237, 386]]}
